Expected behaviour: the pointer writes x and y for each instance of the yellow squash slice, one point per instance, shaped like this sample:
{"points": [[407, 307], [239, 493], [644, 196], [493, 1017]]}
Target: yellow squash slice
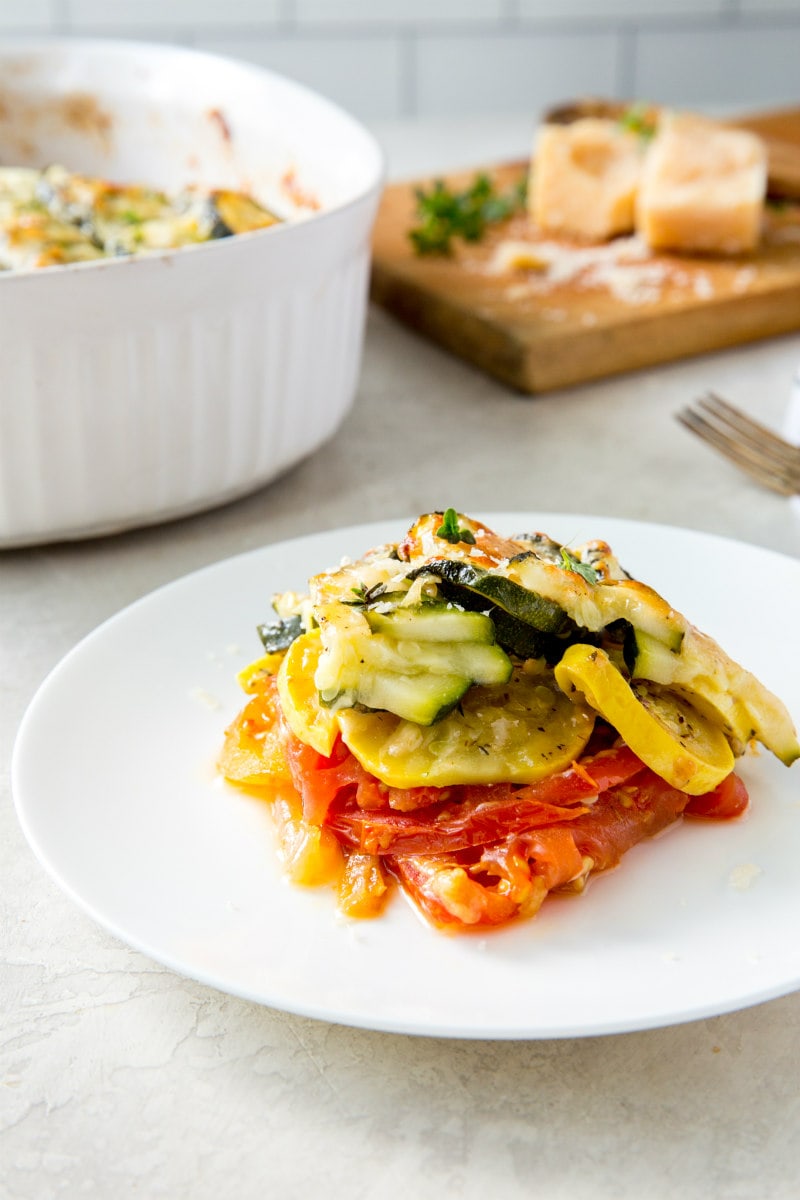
{"points": [[308, 720], [251, 678], [676, 741], [515, 732]]}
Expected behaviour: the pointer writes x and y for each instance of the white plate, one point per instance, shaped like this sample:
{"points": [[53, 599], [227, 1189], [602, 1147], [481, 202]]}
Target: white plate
{"points": [[115, 787]]}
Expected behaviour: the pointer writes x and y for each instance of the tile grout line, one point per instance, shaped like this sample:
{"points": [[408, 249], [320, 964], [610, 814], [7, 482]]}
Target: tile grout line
{"points": [[627, 72], [287, 16], [409, 99], [60, 18]]}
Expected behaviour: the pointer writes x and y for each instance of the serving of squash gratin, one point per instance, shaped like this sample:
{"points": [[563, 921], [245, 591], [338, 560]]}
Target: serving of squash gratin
{"points": [[485, 719]]}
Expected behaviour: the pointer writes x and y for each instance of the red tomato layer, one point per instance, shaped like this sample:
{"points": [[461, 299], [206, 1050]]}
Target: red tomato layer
{"points": [[728, 800], [512, 878], [476, 855], [474, 815]]}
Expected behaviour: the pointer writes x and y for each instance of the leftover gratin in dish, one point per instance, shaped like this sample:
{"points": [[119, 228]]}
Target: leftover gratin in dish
{"points": [[54, 217], [482, 720]]}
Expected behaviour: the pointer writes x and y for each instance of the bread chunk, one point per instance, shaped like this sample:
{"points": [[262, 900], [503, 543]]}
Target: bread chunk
{"points": [[584, 179], [702, 188]]}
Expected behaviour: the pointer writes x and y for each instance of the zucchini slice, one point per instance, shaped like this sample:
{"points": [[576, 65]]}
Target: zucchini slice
{"points": [[476, 586], [414, 662], [423, 699], [279, 635], [419, 681], [480, 662], [432, 623], [525, 623]]}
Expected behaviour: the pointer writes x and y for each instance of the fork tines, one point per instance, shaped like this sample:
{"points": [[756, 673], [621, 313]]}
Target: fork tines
{"points": [[766, 457]]}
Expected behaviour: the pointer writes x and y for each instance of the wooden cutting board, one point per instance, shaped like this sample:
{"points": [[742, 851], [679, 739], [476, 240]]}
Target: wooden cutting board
{"points": [[592, 312]]}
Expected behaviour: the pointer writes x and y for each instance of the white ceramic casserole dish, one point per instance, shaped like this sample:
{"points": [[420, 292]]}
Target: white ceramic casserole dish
{"points": [[136, 390]]}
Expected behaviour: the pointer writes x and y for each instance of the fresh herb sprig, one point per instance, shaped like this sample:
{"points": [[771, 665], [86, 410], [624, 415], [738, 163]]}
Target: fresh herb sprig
{"points": [[452, 532], [638, 119], [359, 595], [569, 562], [444, 214]]}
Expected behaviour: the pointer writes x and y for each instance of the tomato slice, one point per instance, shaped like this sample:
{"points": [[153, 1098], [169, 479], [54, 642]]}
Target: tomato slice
{"points": [[476, 816], [444, 828], [627, 815], [728, 800], [554, 856], [452, 894], [317, 777], [512, 878]]}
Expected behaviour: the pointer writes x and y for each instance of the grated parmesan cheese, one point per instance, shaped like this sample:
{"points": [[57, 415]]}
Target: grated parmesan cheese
{"points": [[743, 279], [702, 286], [624, 268], [744, 876]]}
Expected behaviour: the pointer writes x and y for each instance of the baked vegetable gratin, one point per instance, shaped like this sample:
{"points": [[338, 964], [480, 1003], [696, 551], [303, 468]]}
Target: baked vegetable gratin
{"points": [[54, 217], [486, 719]]}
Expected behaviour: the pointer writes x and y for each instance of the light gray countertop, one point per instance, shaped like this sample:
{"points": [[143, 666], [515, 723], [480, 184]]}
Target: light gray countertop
{"points": [[121, 1079]]}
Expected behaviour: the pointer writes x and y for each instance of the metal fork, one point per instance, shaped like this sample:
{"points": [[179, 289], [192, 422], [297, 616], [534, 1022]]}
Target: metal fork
{"points": [[770, 459]]}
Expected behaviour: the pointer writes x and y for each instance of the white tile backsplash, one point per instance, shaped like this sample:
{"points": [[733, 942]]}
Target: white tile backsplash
{"points": [[361, 74], [399, 12], [394, 58], [625, 10], [513, 72], [744, 66], [769, 7], [32, 16], [112, 15]]}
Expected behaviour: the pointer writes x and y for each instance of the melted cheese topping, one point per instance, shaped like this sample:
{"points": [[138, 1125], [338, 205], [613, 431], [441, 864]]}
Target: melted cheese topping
{"points": [[677, 656]]}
